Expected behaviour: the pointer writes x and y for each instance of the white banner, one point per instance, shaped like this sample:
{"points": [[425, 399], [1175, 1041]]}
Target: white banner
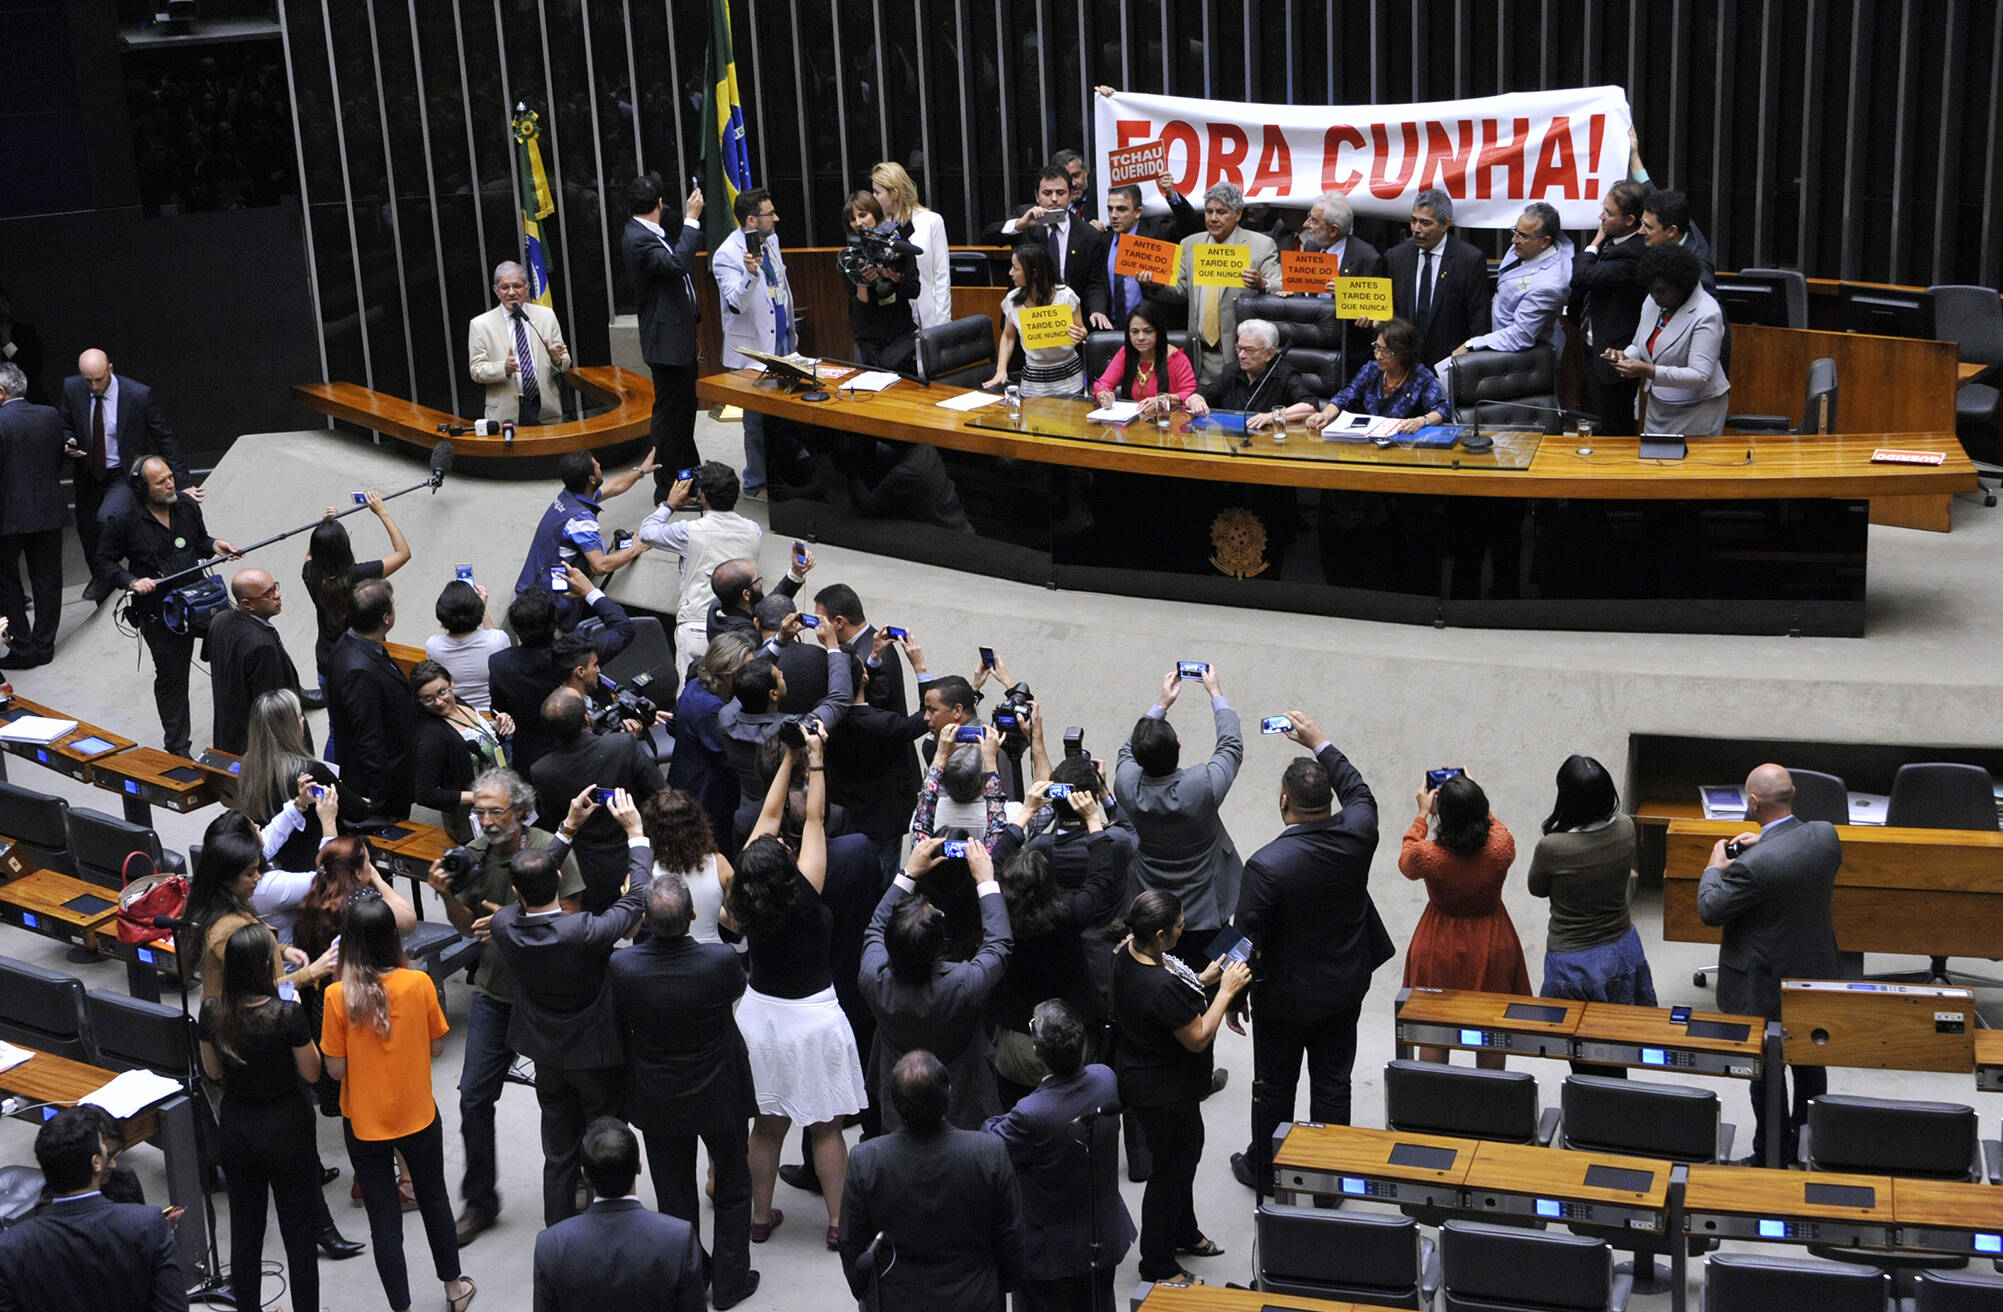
{"points": [[1493, 155]]}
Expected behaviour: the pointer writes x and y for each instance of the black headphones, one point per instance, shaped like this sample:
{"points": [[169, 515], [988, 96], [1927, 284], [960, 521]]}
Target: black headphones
{"points": [[136, 475]]}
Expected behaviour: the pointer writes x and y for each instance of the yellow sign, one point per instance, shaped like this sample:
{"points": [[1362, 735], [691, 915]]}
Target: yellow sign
{"points": [[1040, 326], [1219, 264], [1363, 298]]}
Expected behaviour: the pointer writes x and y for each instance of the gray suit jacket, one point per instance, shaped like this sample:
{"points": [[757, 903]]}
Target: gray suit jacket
{"points": [[1183, 846], [1264, 257], [1774, 905]]}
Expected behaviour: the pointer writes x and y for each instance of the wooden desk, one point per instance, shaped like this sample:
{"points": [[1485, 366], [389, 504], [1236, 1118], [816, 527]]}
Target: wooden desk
{"points": [[1878, 1026], [411, 855], [1925, 892], [1584, 1188], [1614, 1035], [15, 860], [1487, 1022], [61, 755], [1216, 1298], [1795, 1207], [39, 902], [1989, 1061], [46, 1077], [145, 776], [1410, 1170], [630, 419], [1965, 373], [1949, 1216], [405, 657]]}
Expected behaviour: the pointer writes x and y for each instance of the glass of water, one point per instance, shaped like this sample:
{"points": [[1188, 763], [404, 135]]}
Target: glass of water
{"points": [[1014, 397]]}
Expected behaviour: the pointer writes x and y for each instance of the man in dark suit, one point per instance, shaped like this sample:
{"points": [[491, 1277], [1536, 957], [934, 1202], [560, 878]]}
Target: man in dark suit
{"points": [[1772, 901], [739, 587], [580, 759], [1606, 304], [109, 421], [1439, 283], [873, 769], [1074, 244], [1316, 936], [563, 1017], [31, 520], [944, 1200], [246, 656], [617, 1254], [659, 262], [1073, 1237], [804, 664], [521, 677], [82, 1251], [689, 1076], [839, 606], [369, 707]]}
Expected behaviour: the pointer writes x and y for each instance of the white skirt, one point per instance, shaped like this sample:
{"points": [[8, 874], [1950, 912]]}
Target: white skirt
{"points": [[803, 1057]]}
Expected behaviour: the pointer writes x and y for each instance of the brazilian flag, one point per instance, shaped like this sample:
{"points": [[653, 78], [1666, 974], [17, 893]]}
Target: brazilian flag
{"points": [[726, 161], [532, 184]]}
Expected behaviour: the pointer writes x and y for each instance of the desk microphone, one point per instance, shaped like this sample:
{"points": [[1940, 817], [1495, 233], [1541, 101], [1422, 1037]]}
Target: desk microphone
{"points": [[172, 922], [1562, 412], [1271, 369], [1473, 441]]}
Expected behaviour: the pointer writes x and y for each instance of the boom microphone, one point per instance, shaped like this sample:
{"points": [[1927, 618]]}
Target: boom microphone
{"points": [[441, 463]]}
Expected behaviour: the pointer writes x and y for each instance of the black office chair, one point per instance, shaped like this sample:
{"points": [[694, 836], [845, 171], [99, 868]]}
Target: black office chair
{"points": [[20, 1194], [1741, 1282], [1818, 411], [1500, 1268], [40, 823], [1941, 795], [1819, 796], [133, 1034], [1670, 1121], [1972, 318], [1895, 1137], [1302, 320], [1794, 292], [44, 1009], [1424, 1097], [960, 352], [1957, 1291], [100, 844], [1368, 1257], [1099, 348], [1482, 384]]}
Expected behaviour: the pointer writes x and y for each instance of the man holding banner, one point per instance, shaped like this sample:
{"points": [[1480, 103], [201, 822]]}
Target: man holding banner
{"points": [[1217, 267]]}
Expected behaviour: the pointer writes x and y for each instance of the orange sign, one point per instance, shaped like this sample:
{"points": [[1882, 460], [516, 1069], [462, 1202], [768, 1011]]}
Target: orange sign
{"points": [[1307, 271], [1142, 163], [1139, 255]]}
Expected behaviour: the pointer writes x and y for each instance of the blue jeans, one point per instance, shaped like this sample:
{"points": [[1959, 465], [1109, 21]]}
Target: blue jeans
{"points": [[488, 1058]]}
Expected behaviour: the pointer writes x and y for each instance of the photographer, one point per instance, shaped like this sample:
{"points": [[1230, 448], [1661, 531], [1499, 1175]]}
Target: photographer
{"points": [[746, 721], [520, 677], [159, 534], [879, 315], [582, 761], [568, 538], [803, 663], [473, 883]]}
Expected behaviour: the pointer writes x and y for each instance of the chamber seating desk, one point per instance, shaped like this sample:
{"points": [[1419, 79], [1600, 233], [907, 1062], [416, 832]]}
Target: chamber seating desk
{"points": [[1989, 1061], [1215, 1298], [71, 754], [58, 906], [1712, 1043], [144, 777], [1486, 1022], [1797, 1207]]}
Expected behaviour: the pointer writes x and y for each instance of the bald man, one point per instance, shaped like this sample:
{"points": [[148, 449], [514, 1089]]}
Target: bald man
{"points": [[1772, 900], [109, 421], [739, 586], [246, 656], [516, 350]]}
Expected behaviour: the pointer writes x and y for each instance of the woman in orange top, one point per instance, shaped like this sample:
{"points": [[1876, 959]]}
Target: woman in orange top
{"points": [[382, 1030], [1464, 939]]}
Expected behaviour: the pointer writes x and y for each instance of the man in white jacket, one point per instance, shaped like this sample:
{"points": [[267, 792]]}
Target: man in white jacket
{"points": [[516, 350], [757, 313]]}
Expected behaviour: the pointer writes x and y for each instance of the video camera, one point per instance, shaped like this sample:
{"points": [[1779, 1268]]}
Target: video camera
{"points": [[616, 705], [873, 248], [461, 866]]}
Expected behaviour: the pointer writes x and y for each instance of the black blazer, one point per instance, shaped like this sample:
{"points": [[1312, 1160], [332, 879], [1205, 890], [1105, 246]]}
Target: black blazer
{"points": [[686, 1064], [662, 288], [805, 665], [1084, 270], [246, 659], [948, 1203], [519, 678], [1773, 903], [441, 764], [1461, 295], [90, 1253], [563, 1012], [371, 717], [873, 769], [618, 1254], [1604, 288], [1046, 1143], [31, 469], [886, 681], [1305, 904], [142, 429], [603, 760]]}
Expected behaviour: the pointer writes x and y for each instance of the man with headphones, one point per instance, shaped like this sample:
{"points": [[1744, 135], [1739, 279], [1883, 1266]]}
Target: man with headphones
{"points": [[159, 534]]}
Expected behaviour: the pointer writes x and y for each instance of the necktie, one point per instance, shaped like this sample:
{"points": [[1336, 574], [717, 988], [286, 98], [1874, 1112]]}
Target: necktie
{"points": [[1116, 282], [531, 393], [1661, 322], [782, 331], [1207, 325], [1057, 250], [1425, 302], [100, 450]]}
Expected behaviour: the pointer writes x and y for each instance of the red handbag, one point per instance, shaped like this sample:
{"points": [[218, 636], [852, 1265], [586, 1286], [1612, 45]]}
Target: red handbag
{"points": [[151, 894]]}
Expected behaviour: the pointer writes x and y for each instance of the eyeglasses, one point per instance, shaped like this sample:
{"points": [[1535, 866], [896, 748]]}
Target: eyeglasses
{"points": [[435, 698], [492, 812], [268, 593], [1378, 348], [1517, 234]]}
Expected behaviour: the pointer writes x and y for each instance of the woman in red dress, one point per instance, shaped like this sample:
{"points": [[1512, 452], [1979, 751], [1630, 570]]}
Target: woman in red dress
{"points": [[1464, 939]]}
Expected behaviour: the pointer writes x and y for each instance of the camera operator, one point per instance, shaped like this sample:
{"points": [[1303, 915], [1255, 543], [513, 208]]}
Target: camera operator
{"points": [[748, 719], [582, 760], [160, 533], [473, 883], [567, 537], [519, 678], [883, 277]]}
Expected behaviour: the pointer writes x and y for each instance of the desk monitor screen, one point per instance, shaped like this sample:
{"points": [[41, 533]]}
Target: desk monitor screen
{"points": [[90, 746], [1530, 1011], [1654, 1057], [1549, 1207], [185, 774], [132, 787], [1228, 421], [1719, 1029], [29, 920], [1619, 1177], [1423, 1155], [1841, 1195], [1753, 300], [88, 904], [1988, 1243], [1473, 1038], [395, 832], [1773, 1229]]}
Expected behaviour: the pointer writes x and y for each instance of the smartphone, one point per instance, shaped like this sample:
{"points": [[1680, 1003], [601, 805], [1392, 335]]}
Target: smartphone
{"points": [[1435, 778], [464, 572], [684, 475], [559, 579], [987, 658], [1191, 669], [1058, 790], [954, 847], [1275, 724], [799, 552], [897, 634], [809, 621], [316, 792], [602, 796], [695, 183], [1229, 946], [968, 733], [1679, 1015], [361, 498]]}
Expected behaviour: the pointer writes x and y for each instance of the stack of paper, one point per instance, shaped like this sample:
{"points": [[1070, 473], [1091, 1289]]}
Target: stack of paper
{"points": [[35, 729], [132, 1092], [1349, 427], [1120, 412], [969, 401], [874, 381], [11, 1056]]}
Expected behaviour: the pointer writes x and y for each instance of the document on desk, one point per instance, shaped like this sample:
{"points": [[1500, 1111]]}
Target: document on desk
{"points": [[35, 729], [132, 1092], [874, 381], [11, 1056], [969, 401], [1120, 412], [1351, 427]]}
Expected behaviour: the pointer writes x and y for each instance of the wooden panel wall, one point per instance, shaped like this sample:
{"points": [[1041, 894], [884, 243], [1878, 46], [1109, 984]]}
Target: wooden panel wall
{"points": [[1884, 384]]}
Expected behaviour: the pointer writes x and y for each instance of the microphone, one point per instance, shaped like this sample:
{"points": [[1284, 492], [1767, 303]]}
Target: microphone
{"points": [[1271, 369], [172, 922], [441, 463], [1562, 412]]}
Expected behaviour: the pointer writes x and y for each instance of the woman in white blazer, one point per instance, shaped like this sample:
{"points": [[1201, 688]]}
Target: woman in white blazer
{"points": [[1677, 348], [898, 194]]}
